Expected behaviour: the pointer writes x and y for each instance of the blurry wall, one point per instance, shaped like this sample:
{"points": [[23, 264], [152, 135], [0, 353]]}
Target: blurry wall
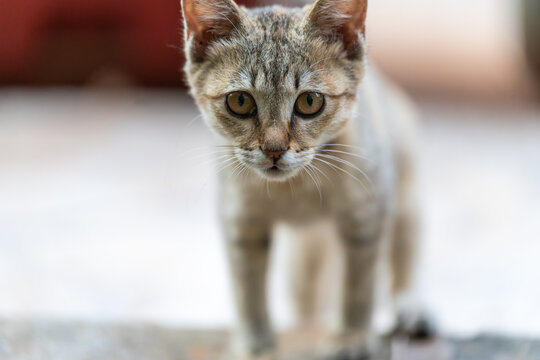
{"points": [[72, 41], [456, 47]]}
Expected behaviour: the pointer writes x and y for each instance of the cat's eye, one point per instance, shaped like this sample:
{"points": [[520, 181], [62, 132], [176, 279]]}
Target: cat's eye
{"points": [[309, 104], [241, 104]]}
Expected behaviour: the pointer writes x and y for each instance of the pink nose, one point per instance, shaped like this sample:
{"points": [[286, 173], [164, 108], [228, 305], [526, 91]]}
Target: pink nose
{"points": [[274, 154]]}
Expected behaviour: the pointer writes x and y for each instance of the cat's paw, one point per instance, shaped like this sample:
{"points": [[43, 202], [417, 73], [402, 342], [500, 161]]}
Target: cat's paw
{"points": [[416, 325], [350, 346], [413, 320], [252, 346]]}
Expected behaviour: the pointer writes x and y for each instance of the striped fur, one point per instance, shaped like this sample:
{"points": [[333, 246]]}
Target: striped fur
{"points": [[351, 166]]}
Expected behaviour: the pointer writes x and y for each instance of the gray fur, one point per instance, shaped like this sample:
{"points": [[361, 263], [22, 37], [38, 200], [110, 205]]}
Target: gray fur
{"points": [[275, 54]]}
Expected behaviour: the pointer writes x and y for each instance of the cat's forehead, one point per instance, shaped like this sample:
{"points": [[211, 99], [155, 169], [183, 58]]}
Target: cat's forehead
{"points": [[273, 49], [275, 54], [273, 19]]}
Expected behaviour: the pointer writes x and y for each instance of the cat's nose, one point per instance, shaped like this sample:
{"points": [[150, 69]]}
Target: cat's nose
{"points": [[275, 142], [274, 154]]}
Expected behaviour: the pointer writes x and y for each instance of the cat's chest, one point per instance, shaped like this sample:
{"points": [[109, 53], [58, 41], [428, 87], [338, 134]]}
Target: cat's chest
{"points": [[295, 201], [299, 203]]}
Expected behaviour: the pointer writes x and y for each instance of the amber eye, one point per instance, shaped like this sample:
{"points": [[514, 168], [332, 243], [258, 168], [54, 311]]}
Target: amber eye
{"points": [[241, 104], [309, 104]]}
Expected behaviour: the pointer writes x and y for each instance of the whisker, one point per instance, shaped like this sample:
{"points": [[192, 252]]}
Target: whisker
{"points": [[217, 160], [292, 190], [213, 147], [192, 121], [226, 161], [321, 172], [315, 182], [345, 162], [224, 164], [268, 190], [235, 169], [343, 145], [315, 175], [348, 153], [243, 173], [212, 154], [346, 172], [228, 164]]}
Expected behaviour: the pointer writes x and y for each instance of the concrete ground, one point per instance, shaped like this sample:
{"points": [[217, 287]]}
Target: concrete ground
{"points": [[61, 340], [107, 212]]}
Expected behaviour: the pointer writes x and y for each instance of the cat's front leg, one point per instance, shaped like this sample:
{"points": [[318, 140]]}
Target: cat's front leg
{"points": [[248, 247], [361, 235]]}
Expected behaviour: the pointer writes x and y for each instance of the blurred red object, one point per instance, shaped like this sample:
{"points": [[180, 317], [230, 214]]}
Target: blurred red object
{"points": [[75, 41]]}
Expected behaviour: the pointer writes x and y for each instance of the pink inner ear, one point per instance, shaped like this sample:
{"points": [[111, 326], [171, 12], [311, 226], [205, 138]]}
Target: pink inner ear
{"points": [[189, 16], [360, 18], [210, 16], [208, 20], [357, 10], [344, 17]]}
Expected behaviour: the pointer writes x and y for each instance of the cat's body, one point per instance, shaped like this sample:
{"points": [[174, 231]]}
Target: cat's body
{"points": [[310, 135]]}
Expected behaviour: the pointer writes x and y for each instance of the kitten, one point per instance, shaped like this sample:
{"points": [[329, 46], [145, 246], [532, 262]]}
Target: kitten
{"points": [[311, 135]]}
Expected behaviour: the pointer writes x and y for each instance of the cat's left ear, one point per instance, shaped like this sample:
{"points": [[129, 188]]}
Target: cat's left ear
{"points": [[206, 21], [345, 18]]}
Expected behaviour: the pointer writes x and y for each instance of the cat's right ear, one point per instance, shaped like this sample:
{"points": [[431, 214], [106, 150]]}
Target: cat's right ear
{"points": [[206, 21], [344, 18]]}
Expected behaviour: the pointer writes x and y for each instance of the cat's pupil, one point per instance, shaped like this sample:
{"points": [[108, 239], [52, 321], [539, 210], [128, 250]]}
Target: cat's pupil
{"points": [[241, 100], [309, 100]]}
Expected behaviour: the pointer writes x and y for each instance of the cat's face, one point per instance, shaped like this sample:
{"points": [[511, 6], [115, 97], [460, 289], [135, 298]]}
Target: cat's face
{"points": [[276, 83]]}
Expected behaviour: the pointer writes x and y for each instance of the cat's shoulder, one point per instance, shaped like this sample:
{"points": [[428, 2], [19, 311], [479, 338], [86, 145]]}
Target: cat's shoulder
{"points": [[389, 109]]}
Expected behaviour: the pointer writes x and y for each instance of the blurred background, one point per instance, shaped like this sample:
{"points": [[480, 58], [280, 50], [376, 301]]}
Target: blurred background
{"points": [[107, 210]]}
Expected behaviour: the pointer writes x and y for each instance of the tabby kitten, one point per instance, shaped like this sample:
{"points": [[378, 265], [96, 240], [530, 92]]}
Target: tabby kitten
{"points": [[311, 135]]}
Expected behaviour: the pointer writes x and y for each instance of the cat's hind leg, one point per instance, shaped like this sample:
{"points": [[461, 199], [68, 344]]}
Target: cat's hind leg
{"points": [[412, 320]]}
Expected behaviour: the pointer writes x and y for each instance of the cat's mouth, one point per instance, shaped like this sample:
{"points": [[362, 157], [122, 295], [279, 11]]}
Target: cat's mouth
{"points": [[282, 169], [274, 169], [277, 172]]}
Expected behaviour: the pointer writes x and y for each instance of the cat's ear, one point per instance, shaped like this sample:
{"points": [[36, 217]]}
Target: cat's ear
{"points": [[344, 18], [206, 21]]}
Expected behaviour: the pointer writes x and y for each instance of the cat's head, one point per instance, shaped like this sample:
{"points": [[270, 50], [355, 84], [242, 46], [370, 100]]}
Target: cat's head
{"points": [[276, 83]]}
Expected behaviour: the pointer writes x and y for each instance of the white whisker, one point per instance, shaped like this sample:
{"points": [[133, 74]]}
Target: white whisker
{"points": [[217, 160], [345, 162], [215, 152], [321, 172], [243, 173], [238, 167], [292, 189], [347, 153], [345, 172], [343, 145], [200, 116], [306, 168], [228, 163], [268, 190], [214, 147]]}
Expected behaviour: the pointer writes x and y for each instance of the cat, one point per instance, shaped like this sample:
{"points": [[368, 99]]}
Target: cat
{"points": [[311, 135]]}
